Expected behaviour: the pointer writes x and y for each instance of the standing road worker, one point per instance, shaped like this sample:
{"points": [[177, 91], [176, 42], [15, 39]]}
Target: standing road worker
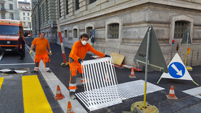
{"points": [[77, 55], [41, 44]]}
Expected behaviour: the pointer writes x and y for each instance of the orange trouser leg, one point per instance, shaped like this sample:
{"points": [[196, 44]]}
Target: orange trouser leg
{"points": [[46, 60], [73, 75], [37, 61], [81, 71]]}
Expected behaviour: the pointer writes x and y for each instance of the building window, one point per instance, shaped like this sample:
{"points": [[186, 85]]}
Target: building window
{"points": [[77, 4], [27, 18], [27, 14], [11, 6], [59, 8], [75, 33], [29, 24], [47, 15], [113, 31], [27, 7], [180, 29], [43, 12], [22, 7], [91, 1], [2, 5], [23, 18], [11, 16], [67, 7], [24, 13], [3, 16], [89, 29], [66, 33]]}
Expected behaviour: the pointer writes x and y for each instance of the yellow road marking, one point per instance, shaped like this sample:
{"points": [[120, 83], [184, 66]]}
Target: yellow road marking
{"points": [[34, 98], [1, 82]]}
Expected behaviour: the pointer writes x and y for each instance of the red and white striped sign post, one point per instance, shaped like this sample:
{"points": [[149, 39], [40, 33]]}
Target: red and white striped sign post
{"points": [[62, 46]]}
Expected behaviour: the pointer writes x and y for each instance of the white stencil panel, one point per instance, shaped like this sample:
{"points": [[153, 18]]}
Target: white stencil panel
{"points": [[136, 88], [101, 84], [126, 90]]}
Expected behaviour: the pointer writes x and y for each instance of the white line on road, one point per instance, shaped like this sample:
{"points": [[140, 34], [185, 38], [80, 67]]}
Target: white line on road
{"points": [[17, 64], [1, 56]]}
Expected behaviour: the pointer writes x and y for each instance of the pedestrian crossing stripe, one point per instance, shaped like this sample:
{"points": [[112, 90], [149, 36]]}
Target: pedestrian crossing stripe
{"points": [[34, 98], [1, 82]]}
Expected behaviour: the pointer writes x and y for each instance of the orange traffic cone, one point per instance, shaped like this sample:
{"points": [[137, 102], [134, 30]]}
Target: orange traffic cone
{"points": [[69, 108], [59, 95], [132, 74], [171, 93]]}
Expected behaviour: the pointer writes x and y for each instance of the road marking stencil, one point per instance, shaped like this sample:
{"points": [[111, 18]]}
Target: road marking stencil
{"points": [[101, 83], [1, 81], [33, 96], [127, 90]]}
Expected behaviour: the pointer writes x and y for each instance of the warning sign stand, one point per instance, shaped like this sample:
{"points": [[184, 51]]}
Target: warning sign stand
{"points": [[177, 70]]}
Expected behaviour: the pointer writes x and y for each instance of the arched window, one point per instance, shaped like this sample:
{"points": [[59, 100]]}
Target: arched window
{"points": [[75, 33], [89, 29], [113, 31], [66, 34], [180, 29]]}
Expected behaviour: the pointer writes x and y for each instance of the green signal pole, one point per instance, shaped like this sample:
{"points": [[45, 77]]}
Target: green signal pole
{"points": [[146, 67]]}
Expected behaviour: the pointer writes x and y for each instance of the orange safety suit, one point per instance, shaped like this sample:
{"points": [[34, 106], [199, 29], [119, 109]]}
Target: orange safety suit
{"points": [[41, 52], [78, 51]]}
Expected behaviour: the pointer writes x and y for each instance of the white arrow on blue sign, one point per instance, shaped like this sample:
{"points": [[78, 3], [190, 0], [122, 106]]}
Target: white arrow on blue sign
{"points": [[176, 70]]}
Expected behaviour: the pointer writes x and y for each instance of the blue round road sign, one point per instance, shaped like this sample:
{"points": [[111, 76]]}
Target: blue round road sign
{"points": [[176, 70]]}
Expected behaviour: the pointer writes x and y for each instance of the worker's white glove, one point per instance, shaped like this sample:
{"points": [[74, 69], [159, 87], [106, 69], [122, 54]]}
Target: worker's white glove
{"points": [[50, 52], [30, 52]]}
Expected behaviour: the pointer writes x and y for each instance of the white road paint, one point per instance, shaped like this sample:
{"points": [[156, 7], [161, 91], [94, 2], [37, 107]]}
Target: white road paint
{"points": [[5, 70], [1, 56], [194, 92], [18, 64]]}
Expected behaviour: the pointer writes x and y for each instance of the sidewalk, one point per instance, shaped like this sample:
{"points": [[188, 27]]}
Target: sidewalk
{"points": [[185, 102]]}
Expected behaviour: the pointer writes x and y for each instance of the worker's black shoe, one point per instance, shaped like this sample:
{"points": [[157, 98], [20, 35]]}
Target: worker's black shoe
{"points": [[49, 71], [72, 95], [34, 71]]}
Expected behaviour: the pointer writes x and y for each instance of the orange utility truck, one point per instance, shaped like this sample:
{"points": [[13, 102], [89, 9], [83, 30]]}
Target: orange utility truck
{"points": [[8, 34]]}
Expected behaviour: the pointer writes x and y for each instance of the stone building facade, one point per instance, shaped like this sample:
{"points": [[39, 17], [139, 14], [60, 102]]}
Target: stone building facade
{"points": [[25, 16], [9, 9], [120, 25]]}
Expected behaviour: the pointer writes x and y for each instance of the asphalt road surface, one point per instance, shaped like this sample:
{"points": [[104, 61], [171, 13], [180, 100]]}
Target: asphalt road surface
{"points": [[12, 97]]}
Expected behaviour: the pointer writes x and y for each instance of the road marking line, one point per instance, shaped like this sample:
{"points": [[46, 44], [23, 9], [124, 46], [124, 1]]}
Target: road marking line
{"points": [[1, 56], [1, 82], [17, 64], [194, 91], [34, 98]]}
